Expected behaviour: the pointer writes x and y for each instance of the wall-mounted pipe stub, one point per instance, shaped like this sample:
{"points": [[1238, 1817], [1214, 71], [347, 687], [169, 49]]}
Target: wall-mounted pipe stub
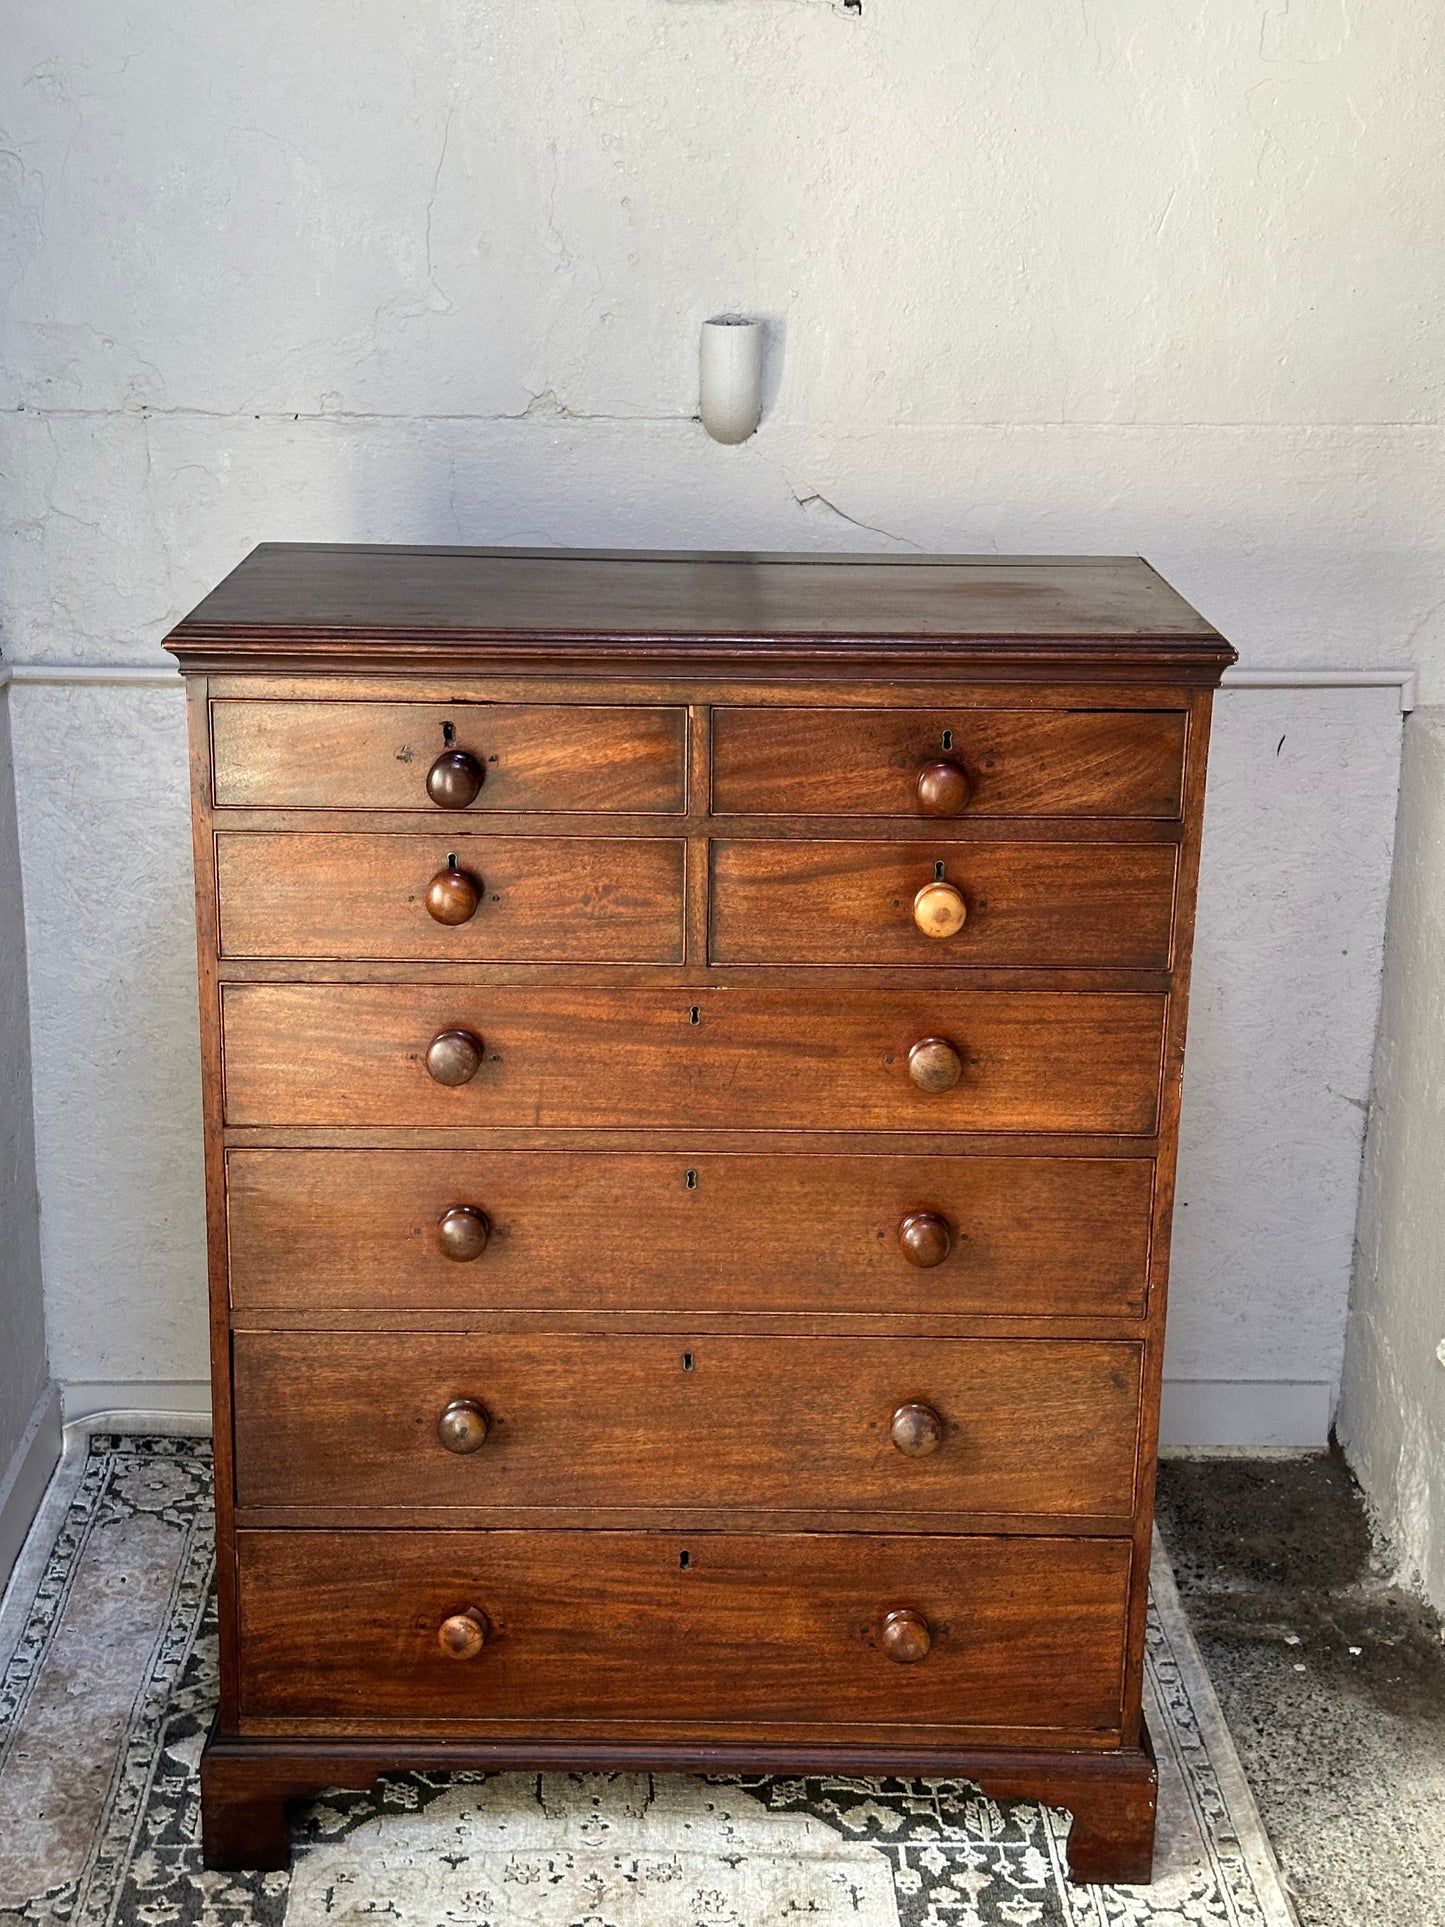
{"points": [[731, 377]]}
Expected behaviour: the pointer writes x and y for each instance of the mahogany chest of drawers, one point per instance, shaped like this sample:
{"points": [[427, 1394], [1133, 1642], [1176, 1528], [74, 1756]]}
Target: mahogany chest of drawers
{"points": [[692, 1062]]}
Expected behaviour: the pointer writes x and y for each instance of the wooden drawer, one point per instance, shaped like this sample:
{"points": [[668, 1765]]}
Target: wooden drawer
{"points": [[375, 756], [570, 1230], [542, 899], [640, 1631], [1034, 1427], [1054, 904], [328, 1054], [1024, 762]]}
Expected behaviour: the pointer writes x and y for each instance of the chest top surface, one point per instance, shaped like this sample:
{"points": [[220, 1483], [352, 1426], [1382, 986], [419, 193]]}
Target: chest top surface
{"points": [[318, 605]]}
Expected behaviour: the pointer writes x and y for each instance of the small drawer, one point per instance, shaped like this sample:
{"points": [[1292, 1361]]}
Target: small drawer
{"points": [[379, 756], [339, 1421], [372, 1230], [714, 1058], [1013, 762], [618, 1632], [1048, 904], [461, 899]]}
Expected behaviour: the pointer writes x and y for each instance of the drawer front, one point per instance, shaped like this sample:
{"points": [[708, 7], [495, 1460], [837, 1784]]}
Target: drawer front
{"points": [[1036, 1427], [314, 1054], [538, 899], [1027, 763], [615, 1629], [1026, 903], [375, 756], [361, 1230]]}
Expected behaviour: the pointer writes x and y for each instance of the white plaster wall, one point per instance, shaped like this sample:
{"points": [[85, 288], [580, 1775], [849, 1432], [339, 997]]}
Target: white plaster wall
{"points": [[1049, 278], [1392, 1412], [115, 1039], [1299, 819]]}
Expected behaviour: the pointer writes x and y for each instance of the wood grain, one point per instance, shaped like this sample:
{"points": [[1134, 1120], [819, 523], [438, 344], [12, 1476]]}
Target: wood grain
{"points": [[359, 589], [341, 1420], [866, 762], [375, 755], [360, 1230], [612, 1630], [677, 1295], [352, 1054], [543, 899], [1053, 905]]}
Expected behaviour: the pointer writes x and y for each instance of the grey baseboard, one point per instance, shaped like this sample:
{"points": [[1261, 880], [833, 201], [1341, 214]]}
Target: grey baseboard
{"points": [[184, 1403], [1261, 1412], [23, 1482]]}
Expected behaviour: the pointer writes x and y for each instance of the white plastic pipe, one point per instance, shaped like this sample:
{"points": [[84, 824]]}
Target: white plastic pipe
{"points": [[730, 370]]}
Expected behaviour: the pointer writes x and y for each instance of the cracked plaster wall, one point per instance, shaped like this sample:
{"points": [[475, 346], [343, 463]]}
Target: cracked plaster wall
{"points": [[1074, 276]]}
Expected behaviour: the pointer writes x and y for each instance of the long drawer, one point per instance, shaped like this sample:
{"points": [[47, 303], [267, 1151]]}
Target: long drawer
{"points": [[331, 1230], [1017, 762], [1034, 1427], [531, 756], [1057, 904], [630, 1632], [537, 899], [311, 1054]]}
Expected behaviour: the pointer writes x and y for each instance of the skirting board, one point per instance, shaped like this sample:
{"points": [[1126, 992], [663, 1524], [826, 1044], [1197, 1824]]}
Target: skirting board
{"points": [[1261, 1412], [23, 1482], [185, 1403], [1246, 1412]]}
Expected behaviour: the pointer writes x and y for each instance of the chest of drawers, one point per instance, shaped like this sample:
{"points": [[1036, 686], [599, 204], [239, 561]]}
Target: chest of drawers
{"points": [[692, 1051]]}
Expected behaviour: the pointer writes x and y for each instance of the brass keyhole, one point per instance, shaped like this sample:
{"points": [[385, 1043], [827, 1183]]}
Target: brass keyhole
{"points": [[947, 739]]}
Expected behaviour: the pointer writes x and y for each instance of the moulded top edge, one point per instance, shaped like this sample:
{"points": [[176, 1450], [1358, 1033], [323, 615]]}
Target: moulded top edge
{"points": [[698, 605]]}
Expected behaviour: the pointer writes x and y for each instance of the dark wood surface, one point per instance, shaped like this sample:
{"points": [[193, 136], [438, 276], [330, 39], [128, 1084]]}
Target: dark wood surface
{"points": [[1017, 763], [801, 1060], [358, 1230], [312, 606], [538, 899], [797, 1485], [1047, 904], [246, 1785], [375, 756], [611, 1631], [436, 592], [1033, 1427]]}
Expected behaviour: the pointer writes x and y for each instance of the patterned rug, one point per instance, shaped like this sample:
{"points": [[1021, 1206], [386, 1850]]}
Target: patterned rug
{"points": [[107, 1684]]}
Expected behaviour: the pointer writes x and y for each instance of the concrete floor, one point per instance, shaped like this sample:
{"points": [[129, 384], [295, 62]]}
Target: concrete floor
{"points": [[1332, 1680]]}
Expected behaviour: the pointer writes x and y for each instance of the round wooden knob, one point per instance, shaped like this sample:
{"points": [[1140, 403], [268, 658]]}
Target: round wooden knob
{"points": [[452, 896], [925, 1239], [464, 1634], [454, 1057], [934, 1065], [462, 1233], [942, 789], [939, 910], [916, 1431], [905, 1636], [463, 1427], [454, 779]]}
